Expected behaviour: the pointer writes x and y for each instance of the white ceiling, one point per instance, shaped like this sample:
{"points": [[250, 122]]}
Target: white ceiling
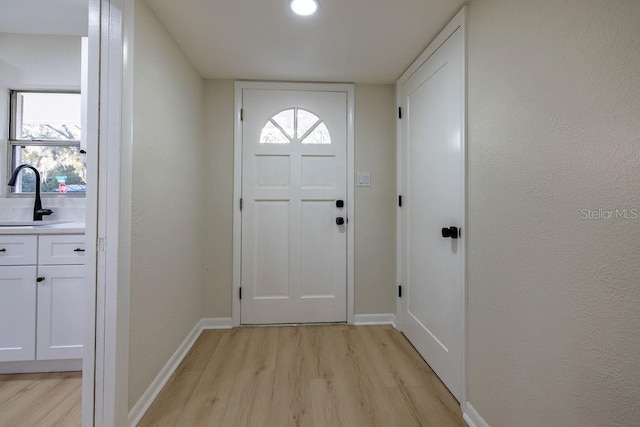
{"points": [[365, 41], [61, 17]]}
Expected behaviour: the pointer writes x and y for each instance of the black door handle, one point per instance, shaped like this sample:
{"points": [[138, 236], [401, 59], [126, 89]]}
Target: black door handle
{"points": [[340, 220], [452, 232]]}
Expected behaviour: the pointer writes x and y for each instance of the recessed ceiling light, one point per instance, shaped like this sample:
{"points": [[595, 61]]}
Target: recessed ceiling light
{"points": [[304, 7]]}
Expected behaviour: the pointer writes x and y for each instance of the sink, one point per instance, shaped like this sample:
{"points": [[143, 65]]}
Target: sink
{"points": [[22, 223]]}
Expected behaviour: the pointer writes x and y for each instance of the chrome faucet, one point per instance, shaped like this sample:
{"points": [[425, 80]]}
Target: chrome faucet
{"points": [[38, 212]]}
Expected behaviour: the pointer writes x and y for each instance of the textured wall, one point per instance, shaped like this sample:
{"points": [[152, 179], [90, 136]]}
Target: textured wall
{"points": [[375, 206], [554, 128], [167, 210], [218, 202], [375, 234]]}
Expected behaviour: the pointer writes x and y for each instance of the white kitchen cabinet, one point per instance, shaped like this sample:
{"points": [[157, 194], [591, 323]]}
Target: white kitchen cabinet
{"points": [[61, 250], [42, 304], [18, 250], [60, 312], [17, 313]]}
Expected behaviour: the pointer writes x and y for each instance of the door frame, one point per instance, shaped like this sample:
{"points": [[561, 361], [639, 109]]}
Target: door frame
{"points": [[108, 224], [91, 349], [457, 23], [237, 183]]}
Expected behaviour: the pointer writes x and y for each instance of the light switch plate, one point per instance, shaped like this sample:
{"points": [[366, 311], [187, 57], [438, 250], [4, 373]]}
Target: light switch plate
{"points": [[364, 179]]}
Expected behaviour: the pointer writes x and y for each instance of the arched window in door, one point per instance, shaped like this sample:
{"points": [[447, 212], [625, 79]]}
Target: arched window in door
{"points": [[295, 125]]}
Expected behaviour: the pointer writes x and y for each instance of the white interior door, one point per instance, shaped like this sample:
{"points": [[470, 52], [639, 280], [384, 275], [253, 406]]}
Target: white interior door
{"points": [[434, 265], [294, 178]]}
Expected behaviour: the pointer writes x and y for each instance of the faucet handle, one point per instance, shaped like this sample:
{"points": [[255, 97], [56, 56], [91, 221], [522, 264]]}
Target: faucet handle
{"points": [[44, 211]]}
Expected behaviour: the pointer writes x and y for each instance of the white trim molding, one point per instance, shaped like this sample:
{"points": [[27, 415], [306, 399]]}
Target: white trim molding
{"points": [[376, 319], [347, 88], [472, 417], [216, 323], [150, 394], [158, 383], [113, 228], [34, 366]]}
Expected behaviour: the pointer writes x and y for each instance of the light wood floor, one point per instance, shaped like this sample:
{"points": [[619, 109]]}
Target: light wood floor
{"points": [[36, 400], [304, 376]]}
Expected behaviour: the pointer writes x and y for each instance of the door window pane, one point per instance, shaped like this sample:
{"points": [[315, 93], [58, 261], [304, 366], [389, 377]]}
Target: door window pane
{"points": [[319, 135], [285, 120], [271, 134], [307, 127], [306, 120]]}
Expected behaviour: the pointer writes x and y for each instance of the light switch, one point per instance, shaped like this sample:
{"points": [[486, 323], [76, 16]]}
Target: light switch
{"points": [[364, 179]]}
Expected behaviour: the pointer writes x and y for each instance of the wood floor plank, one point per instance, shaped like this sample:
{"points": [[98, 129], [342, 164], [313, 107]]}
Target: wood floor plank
{"points": [[183, 381], [203, 395], [48, 399], [368, 384], [312, 376], [328, 397], [291, 381], [285, 376], [68, 412]]}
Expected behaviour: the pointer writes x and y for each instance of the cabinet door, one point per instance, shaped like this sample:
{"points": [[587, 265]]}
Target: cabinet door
{"points": [[60, 312], [17, 313]]}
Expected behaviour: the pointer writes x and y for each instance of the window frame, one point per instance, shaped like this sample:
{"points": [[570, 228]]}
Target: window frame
{"points": [[12, 141]]}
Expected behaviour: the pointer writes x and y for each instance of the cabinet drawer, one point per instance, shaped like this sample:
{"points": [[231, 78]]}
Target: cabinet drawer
{"points": [[54, 250], [18, 250]]}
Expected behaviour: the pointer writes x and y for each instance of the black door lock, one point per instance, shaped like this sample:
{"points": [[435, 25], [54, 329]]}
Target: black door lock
{"points": [[339, 203], [340, 220], [452, 232]]}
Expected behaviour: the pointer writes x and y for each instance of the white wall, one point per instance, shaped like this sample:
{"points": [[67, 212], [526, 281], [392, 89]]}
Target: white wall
{"points": [[35, 62], [375, 206], [375, 233], [554, 128], [167, 208], [218, 202]]}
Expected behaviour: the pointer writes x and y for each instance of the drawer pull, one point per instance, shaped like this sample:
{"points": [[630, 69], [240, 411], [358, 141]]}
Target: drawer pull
{"points": [[78, 250], [40, 279], [3, 250]]}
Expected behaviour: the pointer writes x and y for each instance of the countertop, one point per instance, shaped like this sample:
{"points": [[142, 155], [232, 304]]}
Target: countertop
{"points": [[60, 228]]}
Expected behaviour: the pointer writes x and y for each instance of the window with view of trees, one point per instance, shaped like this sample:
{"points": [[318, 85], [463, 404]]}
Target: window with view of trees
{"points": [[44, 132]]}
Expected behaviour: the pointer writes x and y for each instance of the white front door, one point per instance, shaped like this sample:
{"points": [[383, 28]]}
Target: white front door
{"points": [[434, 264], [294, 196]]}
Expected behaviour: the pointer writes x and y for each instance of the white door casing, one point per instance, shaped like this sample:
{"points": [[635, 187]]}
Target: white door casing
{"points": [[294, 170], [433, 182]]}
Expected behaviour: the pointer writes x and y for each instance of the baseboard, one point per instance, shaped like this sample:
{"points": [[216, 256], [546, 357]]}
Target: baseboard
{"points": [[216, 323], [472, 417], [147, 398], [34, 366], [376, 319]]}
